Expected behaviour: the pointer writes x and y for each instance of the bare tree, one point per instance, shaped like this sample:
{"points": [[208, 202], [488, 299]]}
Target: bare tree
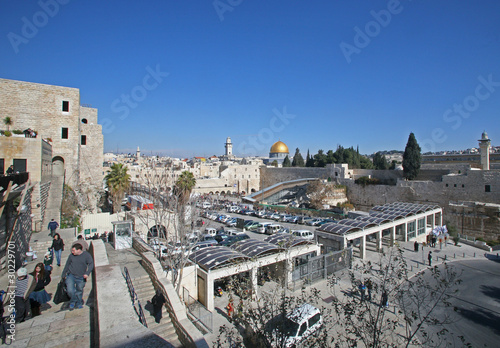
{"points": [[171, 220], [263, 322], [392, 309]]}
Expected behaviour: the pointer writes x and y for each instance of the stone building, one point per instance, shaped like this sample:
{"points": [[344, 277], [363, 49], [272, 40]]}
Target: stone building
{"points": [[55, 114]]}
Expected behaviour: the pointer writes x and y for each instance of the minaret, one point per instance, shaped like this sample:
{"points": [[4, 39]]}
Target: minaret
{"points": [[485, 145], [138, 154], [229, 147]]}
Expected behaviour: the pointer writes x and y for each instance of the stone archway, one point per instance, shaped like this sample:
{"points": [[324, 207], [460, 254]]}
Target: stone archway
{"points": [[57, 166]]}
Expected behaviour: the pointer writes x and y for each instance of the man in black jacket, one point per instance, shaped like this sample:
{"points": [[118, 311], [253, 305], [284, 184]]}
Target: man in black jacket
{"points": [[77, 270]]}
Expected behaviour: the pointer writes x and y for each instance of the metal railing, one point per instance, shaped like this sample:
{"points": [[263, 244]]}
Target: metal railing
{"points": [[133, 295]]}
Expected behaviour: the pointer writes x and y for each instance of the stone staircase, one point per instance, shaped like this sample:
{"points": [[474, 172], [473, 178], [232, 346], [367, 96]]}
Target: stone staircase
{"points": [[56, 326], [53, 209], [145, 292]]}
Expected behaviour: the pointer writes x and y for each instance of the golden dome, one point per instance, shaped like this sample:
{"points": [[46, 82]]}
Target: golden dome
{"points": [[279, 147]]}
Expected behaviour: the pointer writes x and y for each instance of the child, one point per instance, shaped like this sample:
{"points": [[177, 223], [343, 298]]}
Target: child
{"points": [[47, 260]]}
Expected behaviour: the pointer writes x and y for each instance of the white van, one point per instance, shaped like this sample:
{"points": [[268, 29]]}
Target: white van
{"points": [[211, 231], [299, 324], [261, 228], [273, 228], [306, 234]]}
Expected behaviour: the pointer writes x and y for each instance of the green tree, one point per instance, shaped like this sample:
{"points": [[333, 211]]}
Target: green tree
{"points": [[412, 158], [309, 160], [184, 185], [298, 160], [286, 162], [380, 162], [8, 122], [320, 159], [118, 182]]}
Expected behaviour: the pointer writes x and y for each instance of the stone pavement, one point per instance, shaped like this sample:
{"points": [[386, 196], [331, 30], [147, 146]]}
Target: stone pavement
{"points": [[417, 262], [56, 326]]}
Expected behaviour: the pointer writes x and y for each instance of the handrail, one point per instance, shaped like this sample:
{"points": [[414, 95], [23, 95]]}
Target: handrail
{"points": [[134, 298]]}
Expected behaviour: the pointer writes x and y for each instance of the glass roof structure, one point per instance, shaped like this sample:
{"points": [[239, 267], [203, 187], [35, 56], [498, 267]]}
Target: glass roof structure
{"points": [[221, 256], [379, 215], [285, 240], [216, 257], [253, 247]]}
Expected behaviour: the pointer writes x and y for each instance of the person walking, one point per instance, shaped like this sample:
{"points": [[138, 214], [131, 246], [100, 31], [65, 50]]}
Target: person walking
{"points": [[385, 299], [53, 225], [158, 300], [81, 241], [230, 309], [429, 257], [25, 283], [10, 170], [369, 287], [57, 247], [78, 268], [362, 288], [39, 296]]}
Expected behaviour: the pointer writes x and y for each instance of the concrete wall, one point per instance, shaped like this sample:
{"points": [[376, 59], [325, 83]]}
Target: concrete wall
{"points": [[271, 176]]}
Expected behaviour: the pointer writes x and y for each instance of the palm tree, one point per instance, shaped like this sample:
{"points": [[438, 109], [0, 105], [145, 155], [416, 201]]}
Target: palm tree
{"points": [[118, 182], [8, 122], [184, 185]]}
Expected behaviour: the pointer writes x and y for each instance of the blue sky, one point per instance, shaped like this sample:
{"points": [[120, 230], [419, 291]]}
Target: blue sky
{"points": [[178, 77]]}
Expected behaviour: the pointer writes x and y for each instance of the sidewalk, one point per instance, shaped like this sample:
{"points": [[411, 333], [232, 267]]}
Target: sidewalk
{"points": [[416, 261], [56, 326]]}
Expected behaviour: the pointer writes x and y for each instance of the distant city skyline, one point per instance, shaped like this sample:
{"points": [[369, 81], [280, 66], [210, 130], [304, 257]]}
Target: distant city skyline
{"points": [[177, 78]]}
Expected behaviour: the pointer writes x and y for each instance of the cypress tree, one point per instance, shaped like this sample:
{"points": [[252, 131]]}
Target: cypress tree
{"points": [[286, 162], [412, 158], [298, 160]]}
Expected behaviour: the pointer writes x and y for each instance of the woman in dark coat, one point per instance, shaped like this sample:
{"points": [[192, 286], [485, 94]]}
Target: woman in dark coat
{"points": [[39, 296], [158, 300], [58, 247]]}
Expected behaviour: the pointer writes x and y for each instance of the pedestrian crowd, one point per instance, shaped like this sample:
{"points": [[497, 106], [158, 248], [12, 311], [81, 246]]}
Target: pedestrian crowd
{"points": [[30, 295]]}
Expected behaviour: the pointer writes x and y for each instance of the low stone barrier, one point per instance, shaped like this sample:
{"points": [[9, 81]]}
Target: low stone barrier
{"points": [[188, 334], [476, 244]]}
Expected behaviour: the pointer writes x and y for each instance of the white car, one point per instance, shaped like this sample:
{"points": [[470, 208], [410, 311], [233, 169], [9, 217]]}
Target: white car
{"points": [[262, 227], [305, 234], [299, 324]]}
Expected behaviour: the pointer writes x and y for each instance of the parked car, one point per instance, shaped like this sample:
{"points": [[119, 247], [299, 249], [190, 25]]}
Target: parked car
{"points": [[314, 222], [205, 244], [325, 221], [233, 239], [221, 237], [233, 232], [274, 228], [262, 227], [297, 325], [305, 234], [211, 231], [252, 226], [292, 219]]}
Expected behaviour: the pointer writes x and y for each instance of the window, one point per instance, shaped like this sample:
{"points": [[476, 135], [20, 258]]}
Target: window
{"points": [[19, 165], [487, 188], [303, 329], [314, 319], [65, 106], [84, 120], [446, 185], [84, 140], [2, 166], [455, 185], [463, 185], [64, 134]]}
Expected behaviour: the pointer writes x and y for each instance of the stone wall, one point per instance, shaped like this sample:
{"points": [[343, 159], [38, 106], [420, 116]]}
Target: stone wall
{"points": [[42, 108]]}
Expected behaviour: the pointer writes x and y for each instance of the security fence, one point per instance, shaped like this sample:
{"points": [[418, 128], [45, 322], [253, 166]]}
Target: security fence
{"points": [[319, 267]]}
